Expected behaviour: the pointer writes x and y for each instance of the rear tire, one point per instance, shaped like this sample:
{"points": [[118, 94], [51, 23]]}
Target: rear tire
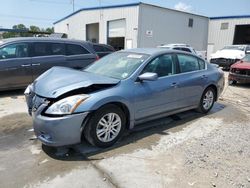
{"points": [[105, 126], [207, 100]]}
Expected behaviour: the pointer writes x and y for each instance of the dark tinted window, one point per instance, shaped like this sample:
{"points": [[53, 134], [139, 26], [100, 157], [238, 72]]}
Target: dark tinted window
{"points": [[14, 51], [57, 49], [188, 63], [163, 66], [41, 49], [177, 48], [182, 49], [98, 48], [108, 49], [190, 22], [74, 49], [186, 49]]}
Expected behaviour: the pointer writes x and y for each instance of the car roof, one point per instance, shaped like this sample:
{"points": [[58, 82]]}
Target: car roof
{"points": [[178, 44], [40, 39], [153, 51]]}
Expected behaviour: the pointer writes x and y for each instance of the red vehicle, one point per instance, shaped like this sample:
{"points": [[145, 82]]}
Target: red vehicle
{"points": [[240, 71]]}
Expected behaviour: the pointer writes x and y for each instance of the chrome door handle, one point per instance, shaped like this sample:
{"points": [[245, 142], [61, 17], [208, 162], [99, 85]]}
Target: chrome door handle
{"points": [[36, 64], [175, 85], [26, 65], [204, 77]]}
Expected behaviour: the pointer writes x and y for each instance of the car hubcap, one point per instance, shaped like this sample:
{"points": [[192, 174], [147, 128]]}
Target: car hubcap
{"points": [[208, 99], [108, 127]]}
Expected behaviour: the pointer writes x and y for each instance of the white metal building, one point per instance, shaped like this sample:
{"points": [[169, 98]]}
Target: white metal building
{"points": [[135, 25], [226, 31]]}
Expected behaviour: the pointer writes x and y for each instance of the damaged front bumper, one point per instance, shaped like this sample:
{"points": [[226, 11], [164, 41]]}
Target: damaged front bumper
{"points": [[53, 131], [58, 131], [223, 62], [239, 77]]}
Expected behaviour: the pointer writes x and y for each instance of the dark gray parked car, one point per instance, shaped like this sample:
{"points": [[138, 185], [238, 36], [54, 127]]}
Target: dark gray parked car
{"points": [[22, 60]]}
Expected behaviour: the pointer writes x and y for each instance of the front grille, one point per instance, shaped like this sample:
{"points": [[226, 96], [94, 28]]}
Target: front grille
{"points": [[223, 60], [241, 71], [37, 102]]}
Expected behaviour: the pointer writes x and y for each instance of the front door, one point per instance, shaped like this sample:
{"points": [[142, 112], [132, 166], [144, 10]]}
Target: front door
{"points": [[160, 96], [15, 66]]}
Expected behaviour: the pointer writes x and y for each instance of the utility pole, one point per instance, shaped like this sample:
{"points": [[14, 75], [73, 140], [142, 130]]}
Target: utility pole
{"points": [[100, 6], [73, 5]]}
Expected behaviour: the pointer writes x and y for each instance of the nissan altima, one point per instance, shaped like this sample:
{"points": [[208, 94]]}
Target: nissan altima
{"points": [[117, 92]]}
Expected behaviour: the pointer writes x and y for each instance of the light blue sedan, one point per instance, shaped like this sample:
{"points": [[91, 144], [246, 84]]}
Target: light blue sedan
{"points": [[118, 92]]}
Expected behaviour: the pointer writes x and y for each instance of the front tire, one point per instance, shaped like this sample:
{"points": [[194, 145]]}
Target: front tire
{"points": [[105, 126], [207, 100]]}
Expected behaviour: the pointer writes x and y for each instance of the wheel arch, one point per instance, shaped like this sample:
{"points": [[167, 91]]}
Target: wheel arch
{"points": [[119, 104], [215, 89]]}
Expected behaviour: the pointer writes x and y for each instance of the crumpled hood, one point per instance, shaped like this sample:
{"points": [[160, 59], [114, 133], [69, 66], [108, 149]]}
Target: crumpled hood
{"points": [[241, 65], [59, 80], [228, 54]]}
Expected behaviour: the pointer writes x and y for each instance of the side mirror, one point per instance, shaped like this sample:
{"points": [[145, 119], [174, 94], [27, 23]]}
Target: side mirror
{"points": [[148, 76]]}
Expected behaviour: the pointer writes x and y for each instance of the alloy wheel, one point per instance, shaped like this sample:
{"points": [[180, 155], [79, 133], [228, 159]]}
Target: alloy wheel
{"points": [[108, 127]]}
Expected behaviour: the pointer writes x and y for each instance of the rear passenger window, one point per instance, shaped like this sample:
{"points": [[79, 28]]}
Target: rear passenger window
{"points": [[106, 49], [98, 48], [188, 63], [57, 49], [74, 49], [41, 49], [202, 64]]}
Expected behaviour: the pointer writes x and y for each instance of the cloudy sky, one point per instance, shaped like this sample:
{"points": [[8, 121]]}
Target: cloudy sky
{"points": [[44, 12]]}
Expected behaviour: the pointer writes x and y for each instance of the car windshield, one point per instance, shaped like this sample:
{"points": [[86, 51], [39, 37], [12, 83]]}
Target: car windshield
{"points": [[247, 58], [234, 47], [118, 65]]}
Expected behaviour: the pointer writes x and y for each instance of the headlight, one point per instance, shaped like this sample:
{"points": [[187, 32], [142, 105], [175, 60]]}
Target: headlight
{"points": [[67, 105]]}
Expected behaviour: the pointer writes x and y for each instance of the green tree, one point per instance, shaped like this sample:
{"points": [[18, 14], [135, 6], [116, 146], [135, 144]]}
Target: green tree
{"points": [[22, 27], [34, 28], [50, 30]]}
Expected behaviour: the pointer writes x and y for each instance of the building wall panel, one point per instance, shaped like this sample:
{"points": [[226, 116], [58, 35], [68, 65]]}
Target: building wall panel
{"points": [[162, 26], [75, 25], [220, 38]]}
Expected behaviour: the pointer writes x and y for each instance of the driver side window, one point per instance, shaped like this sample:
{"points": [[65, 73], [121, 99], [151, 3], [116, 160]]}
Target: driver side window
{"points": [[163, 65], [14, 51]]}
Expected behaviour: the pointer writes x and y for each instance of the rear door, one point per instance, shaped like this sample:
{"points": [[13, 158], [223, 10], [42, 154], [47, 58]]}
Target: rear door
{"points": [[47, 55], [192, 79], [15, 66], [77, 56]]}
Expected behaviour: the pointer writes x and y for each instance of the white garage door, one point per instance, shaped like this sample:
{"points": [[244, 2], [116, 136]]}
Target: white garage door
{"points": [[116, 28]]}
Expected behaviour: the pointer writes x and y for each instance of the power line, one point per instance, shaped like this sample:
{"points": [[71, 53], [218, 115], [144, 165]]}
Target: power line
{"points": [[25, 17], [20, 20], [56, 2]]}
